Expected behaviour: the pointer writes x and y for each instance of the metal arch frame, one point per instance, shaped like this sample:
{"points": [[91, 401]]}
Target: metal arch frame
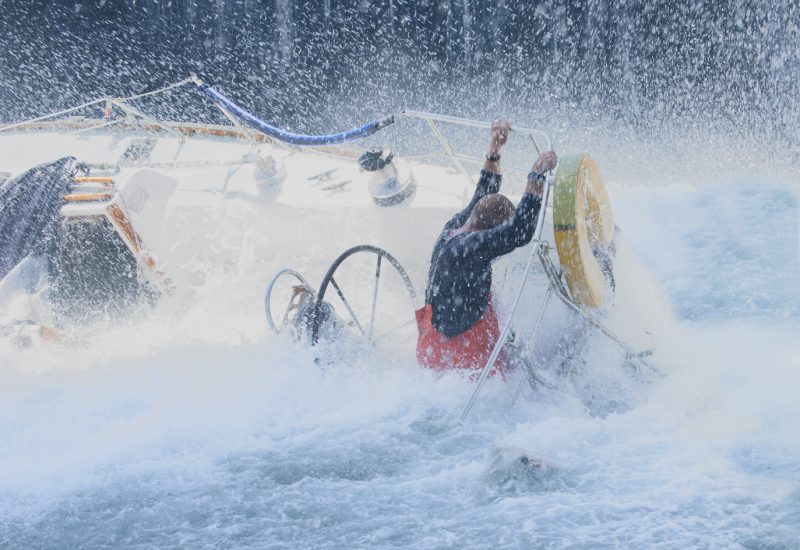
{"points": [[268, 295], [541, 141], [531, 133], [541, 249], [501, 340], [329, 279]]}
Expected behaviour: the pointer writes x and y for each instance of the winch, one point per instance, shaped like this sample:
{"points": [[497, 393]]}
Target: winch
{"points": [[269, 171], [391, 181]]}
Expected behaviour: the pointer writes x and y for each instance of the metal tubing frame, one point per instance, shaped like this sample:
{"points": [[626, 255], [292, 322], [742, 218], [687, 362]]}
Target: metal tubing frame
{"points": [[596, 323], [547, 144], [467, 158], [533, 337], [501, 340], [448, 150], [457, 158], [555, 286]]}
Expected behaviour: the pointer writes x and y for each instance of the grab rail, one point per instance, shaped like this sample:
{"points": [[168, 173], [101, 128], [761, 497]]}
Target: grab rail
{"points": [[501, 340], [544, 146]]}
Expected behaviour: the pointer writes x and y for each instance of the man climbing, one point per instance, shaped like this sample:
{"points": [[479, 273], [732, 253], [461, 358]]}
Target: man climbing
{"points": [[458, 327]]}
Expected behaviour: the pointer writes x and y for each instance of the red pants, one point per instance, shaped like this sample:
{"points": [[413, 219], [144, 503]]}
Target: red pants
{"points": [[469, 350]]}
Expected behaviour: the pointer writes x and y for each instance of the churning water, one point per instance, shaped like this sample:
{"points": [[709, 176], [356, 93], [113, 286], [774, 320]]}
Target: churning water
{"points": [[234, 438], [197, 429]]}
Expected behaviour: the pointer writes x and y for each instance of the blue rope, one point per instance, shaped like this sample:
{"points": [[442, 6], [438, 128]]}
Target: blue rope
{"points": [[288, 137]]}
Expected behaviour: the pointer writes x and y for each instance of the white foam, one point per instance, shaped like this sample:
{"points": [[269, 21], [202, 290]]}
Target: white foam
{"points": [[196, 428]]}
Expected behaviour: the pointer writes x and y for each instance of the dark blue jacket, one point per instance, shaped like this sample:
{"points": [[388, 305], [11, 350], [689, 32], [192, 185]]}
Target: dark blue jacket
{"points": [[460, 275]]}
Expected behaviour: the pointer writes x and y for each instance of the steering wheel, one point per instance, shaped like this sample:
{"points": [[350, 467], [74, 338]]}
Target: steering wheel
{"points": [[365, 330], [294, 302]]}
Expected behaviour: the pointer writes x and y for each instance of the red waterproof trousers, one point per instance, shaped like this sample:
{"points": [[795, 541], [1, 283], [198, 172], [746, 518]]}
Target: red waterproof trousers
{"points": [[469, 350]]}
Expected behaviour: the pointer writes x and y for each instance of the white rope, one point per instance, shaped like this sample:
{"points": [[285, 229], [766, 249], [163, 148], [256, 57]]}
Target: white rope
{"points": [[97, 101], [51, 115]]}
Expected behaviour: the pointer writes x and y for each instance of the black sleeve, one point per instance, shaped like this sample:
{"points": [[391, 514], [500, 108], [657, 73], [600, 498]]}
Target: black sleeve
{"points": [[489, 182], [516, 232]]}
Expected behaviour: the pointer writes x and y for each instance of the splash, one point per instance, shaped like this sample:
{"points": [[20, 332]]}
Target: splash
{"points": [[198, 429]]}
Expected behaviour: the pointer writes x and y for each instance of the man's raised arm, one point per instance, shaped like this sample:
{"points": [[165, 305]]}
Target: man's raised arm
{"points": [[490, 179]]}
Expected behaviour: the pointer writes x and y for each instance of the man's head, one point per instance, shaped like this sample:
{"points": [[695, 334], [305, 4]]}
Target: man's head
{"points": [[490, 211]]}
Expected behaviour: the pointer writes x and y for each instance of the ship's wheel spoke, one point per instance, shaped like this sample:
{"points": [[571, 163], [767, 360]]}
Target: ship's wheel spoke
{"points": [[366, 330], [347, 306], [375, 297]]}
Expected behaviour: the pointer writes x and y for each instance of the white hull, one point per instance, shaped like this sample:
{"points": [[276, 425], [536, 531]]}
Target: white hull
{"points": [[204, 222]]}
